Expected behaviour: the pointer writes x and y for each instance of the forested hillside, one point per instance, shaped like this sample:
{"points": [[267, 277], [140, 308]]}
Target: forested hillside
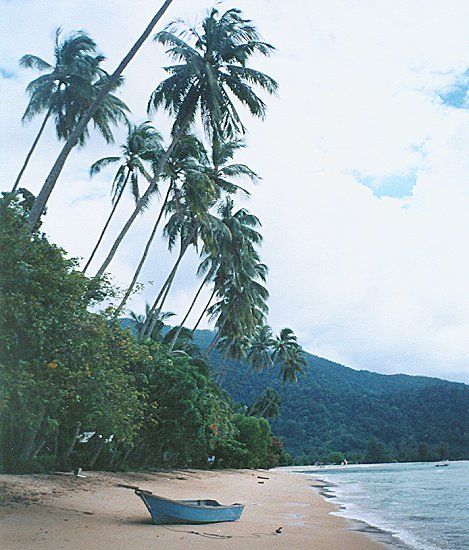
{"points": [[364, 415]]}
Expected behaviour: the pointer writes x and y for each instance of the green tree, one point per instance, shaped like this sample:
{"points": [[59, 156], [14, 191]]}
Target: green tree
{"points": [[185, 161], [101, 97], [255, 434], [59, 371], [211, 69], [142, 143], [221, 171], [67, 89]]}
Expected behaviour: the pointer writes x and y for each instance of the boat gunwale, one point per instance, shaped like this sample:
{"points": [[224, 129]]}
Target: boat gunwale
{"points": [[141, 493]]}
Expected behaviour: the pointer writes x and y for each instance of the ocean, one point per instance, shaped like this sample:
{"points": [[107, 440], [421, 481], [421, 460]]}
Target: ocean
{"points": [[422, 506]]}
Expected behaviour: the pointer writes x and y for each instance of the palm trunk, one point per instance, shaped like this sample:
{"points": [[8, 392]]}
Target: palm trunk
{"points": [[28, 447], [108, 221], [143, 200], [178, 332], [215, 340], [31, 151], [144, 255], [271, 400], [73, 441], [223, 370], [51, 180], [204, 311], [99, 448], [153, 314]]}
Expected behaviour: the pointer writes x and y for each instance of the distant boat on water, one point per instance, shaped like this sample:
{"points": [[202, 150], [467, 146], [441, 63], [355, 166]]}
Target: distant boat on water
{"points": [[166, 511], [441, 465]]}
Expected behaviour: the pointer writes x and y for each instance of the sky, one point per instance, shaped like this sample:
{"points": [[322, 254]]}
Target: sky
{"points": [[364, 197]]}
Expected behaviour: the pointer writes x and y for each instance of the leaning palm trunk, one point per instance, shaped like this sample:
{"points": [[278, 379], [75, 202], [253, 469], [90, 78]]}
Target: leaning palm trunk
{"points": [[264, 410], [180, 327], [108, 221], [144, 255], [31, 151], [153, 314], [199, 320], [215, 340], [143, 200], [51, 180]]}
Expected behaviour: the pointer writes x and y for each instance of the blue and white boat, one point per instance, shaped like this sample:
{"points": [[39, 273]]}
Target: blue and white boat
{"points": [[166, 511]]}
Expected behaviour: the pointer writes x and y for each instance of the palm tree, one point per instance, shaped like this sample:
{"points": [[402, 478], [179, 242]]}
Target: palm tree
{"points": [[259, 353], [142, 143], [61, 91], [186, 225], [241, 306], [293, 365], [220, 170], [186, 158], [286, 353], [234, 250], [211, 69], [139, 321], [102, 94], [266, 405]]}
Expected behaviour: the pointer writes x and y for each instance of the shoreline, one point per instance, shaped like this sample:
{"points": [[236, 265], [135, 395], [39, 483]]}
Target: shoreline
{"points": [[65, 512], [377, 533]]}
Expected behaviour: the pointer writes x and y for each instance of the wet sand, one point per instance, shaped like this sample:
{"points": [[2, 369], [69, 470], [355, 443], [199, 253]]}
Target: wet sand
{"points": [[65, 512]]}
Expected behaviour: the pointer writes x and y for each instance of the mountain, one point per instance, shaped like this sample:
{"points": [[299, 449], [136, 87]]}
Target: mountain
{"points": [[362, 414]]}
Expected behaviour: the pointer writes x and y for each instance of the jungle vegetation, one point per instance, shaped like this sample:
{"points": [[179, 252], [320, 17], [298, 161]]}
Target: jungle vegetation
{"points": [[78, 388]]}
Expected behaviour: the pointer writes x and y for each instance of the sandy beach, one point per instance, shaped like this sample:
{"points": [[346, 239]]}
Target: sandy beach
{"points": [[65, 512]]}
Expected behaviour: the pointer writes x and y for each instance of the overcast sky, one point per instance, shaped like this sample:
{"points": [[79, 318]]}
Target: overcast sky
{"points": [[364, 157]]}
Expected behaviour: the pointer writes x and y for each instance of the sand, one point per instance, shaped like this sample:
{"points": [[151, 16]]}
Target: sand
{"points": [[66, 512]]}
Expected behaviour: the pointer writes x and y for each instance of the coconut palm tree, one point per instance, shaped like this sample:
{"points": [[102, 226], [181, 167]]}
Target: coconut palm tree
{"points": [[65, 89], [266, 405], [235, 254], [210, 71], [260, 350], [219, 171], [190, 221], [241, 307], [101, 97], [142, 143], [187, 158], [293, 365], [139, 321]]}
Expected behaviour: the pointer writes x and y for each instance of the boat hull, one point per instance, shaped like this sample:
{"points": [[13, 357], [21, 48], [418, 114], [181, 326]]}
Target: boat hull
{"points": [[192, 512]]}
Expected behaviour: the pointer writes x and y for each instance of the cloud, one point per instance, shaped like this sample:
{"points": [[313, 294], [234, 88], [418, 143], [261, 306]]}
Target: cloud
{"points": [[365, 191]]}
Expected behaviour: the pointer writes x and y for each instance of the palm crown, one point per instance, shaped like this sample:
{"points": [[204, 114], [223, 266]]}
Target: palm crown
{"points": [[143, 143], [211, 71], [70, 85]]}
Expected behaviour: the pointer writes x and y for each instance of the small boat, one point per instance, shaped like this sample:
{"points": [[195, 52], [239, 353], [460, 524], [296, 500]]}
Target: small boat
{"points": [[166, 511], [441, 465]]}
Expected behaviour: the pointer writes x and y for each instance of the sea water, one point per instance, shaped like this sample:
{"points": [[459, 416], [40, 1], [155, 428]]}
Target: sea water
{"points": [[423, 506]]}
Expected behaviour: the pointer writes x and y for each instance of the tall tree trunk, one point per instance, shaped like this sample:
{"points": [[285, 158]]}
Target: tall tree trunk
{"points": [[178, 332], [99, 447], [127, 452], [108, 221], [153, 314], [69, 449], [271, 400], [31, 151], [38, 448], [199, 320], [215, 340], [28, 447], [51, 180], [143, 199], [144, 255]]}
